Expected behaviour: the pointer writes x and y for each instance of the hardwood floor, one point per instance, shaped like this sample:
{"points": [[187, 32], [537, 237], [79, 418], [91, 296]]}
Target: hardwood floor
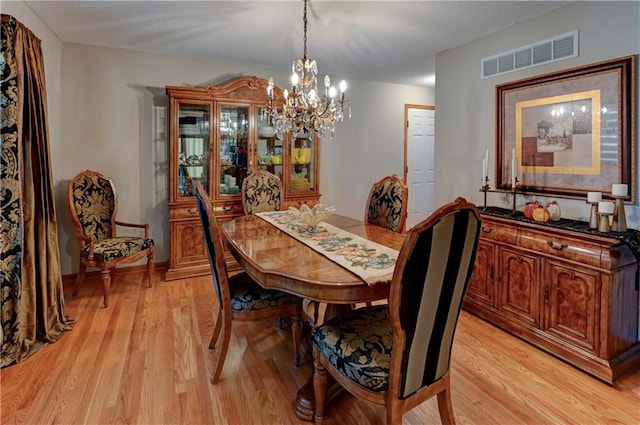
{"points": [[145, 360]]}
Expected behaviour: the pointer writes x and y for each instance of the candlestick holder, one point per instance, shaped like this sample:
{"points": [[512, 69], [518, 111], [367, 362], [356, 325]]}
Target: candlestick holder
{"points": [[593, 217], [514, 190], [485, 189], [619, 222], [603, 222]]}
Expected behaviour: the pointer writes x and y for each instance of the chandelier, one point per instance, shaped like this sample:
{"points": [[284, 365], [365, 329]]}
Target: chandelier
{"points": [[304, 109]]}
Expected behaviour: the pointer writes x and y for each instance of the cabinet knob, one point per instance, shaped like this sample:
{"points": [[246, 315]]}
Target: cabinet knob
{"points": [[487, 229], [192, 211], [546, 294], [558, 246]]}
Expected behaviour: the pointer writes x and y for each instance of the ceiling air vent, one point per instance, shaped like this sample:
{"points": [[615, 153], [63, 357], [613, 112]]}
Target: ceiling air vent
{"points": [[557, 48]]}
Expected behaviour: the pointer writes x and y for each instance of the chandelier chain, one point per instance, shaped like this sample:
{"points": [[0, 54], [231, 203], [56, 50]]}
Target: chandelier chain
{"points": [[305, 30]]}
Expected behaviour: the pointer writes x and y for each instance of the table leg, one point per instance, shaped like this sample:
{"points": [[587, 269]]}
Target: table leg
{"points": [[305, 399]]}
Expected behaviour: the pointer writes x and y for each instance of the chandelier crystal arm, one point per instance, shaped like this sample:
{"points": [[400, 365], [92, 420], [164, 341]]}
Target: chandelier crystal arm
{"points": [[304, 109]]}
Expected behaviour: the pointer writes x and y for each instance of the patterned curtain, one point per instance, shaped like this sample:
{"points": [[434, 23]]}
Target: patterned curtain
{"points": [[32, 298]]}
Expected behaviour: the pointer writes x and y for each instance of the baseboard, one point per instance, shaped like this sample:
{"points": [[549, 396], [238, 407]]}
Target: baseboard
{"points": [[70, 279]]}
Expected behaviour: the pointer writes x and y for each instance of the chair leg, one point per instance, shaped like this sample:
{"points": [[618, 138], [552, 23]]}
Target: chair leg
{"points": [[220, 354], [296, 333], [319, 386], [445, 407], [79, 278], [216, 331], [150, 269], [105, 276]]}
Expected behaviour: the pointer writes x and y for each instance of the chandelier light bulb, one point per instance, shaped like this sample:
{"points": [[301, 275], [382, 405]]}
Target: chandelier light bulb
{"points": [[343, 86], [332, 92], [295, 79]]}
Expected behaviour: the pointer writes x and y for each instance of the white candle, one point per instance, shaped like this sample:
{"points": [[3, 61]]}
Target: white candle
{"points": [[605, 207], [593, 197], [484, 171], [513, 167], [486, 167], [619, 189]]}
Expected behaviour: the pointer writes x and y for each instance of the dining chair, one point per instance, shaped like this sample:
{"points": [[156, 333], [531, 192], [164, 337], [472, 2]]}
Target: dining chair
{"points": [[398, 355], [261, 191], [93, 203], [387, 203], [240, 298]]}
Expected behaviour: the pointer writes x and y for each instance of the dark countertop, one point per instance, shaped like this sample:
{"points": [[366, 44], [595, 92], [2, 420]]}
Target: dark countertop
{"points": [[631, 237]]}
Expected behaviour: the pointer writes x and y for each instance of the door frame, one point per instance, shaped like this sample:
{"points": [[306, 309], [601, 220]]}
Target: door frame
{"points": [[408, 106]]}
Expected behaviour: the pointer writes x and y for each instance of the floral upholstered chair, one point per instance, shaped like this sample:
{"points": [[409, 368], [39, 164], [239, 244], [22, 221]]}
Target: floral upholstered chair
{"points": [[398, 355], [387, 203], [93, 203], [239, 296], [261, 191]]}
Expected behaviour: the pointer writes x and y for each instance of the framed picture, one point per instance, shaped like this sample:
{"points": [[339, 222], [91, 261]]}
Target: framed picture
{"points": [[569, 133]]}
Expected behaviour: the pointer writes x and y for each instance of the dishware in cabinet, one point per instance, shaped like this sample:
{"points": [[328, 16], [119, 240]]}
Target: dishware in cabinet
{"points": [[302, 177]]}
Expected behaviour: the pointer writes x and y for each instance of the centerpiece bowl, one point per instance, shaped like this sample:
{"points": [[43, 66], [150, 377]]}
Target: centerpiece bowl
{"points": [[311, 217]]}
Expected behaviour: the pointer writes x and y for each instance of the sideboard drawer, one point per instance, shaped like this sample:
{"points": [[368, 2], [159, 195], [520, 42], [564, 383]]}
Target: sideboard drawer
{"points": [[498, 232], [561, 246]]}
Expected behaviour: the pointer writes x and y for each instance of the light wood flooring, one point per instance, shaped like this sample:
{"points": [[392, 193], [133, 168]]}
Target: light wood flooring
{"points": [[145, 360]]}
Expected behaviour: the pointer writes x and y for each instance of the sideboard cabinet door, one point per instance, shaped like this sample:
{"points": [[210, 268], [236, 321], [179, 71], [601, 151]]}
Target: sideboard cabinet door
{"points": [[519, 295], [572, 301]]}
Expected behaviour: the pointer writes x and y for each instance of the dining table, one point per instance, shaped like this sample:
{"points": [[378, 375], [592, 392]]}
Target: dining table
{"points": [[276, 260]]}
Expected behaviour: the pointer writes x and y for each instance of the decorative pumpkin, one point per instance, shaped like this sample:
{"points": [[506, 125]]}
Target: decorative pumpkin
{"points": [[554, 210], [541, 214], [530, 207]]}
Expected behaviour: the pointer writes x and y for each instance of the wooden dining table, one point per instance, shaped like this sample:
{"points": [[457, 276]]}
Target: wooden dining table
{"points": [[276, 260]]}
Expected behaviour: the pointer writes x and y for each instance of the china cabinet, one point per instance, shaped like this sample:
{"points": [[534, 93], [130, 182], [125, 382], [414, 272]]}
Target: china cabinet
{"points": [[218, 135], [573, 294]]}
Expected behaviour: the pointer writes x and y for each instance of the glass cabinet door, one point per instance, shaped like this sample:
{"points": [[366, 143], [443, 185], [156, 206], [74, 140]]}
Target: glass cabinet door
{"points": [[234, 148], [193, 147], [269, 147], [302, 164]]}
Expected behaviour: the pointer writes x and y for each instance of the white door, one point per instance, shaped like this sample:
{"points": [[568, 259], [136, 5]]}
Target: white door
{"points": [[419, 162]]}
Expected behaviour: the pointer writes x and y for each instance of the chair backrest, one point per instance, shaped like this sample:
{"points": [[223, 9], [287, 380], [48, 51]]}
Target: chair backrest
{"points": [[429, 283], [261, 191], [215, 247], [93, 203], [387, 203]]}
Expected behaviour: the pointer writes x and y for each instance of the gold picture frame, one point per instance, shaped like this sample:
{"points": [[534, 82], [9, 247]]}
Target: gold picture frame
{"points": [[569, 133]]}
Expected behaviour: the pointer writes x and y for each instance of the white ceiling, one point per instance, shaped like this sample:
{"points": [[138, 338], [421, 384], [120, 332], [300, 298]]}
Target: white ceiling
{"points": [[390, 41]]}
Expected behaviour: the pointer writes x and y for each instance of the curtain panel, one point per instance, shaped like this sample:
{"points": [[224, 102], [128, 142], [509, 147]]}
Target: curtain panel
{"points": [[32, 310]]}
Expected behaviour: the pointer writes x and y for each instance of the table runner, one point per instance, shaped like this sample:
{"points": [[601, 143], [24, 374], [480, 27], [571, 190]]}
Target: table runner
{"points": [[369, 260]]}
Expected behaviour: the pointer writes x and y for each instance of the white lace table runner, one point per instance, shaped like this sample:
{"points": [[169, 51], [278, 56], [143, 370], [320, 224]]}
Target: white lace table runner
{"points": [[371, 261]]}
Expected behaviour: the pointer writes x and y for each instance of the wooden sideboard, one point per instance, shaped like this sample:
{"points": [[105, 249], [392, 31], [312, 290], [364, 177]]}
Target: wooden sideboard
{"points": [[572, 293]]}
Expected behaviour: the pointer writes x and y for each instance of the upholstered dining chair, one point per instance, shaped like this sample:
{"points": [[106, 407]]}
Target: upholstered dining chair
{"points": [[261, 191], [240, 298], [387, 203], [398, 355], [93, 203]]}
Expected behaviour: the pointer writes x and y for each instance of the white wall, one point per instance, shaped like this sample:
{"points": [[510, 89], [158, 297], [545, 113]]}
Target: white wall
{"points": [[368, 146], [465, 116]]}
